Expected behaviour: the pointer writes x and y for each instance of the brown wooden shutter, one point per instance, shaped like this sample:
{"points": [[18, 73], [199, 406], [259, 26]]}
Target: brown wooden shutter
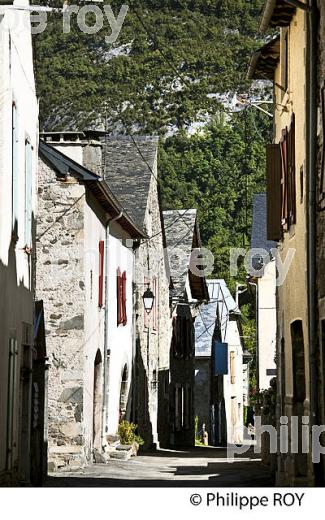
{"points": [[124, 316], [155, 304], [291, 174], [232, 368], [146, 315], [101, 273], [284, 179], [274, 195], [119, 297]]}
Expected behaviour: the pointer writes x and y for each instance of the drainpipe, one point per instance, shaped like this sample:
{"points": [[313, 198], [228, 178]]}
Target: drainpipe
{"points": [[256, 325], [311, 110], [106, 350]]}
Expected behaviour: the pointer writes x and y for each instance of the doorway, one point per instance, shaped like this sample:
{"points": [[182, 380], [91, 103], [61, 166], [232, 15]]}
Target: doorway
{"points": [[97, 400], [123, 394], [299, 391]]}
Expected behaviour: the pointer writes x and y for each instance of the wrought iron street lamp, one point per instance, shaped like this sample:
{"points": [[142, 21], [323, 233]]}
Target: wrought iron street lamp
{"points": [[148, 299]]}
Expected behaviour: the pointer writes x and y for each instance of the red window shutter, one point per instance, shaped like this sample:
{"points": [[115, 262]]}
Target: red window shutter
{"points": [[284, 180], [101, 273], [274, 191], [124, 316], [146, 315], [155, 304], [119, 297]]}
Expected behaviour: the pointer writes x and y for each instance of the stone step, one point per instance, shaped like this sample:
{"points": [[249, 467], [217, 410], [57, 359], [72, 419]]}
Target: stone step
{"points": [[120, 455]]}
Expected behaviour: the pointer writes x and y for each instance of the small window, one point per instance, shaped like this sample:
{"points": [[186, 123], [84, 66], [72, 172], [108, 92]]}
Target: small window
{"points": [[298, 359], [146, 282], [155, 305], [121, 298], [14, 168], [101, 273], [232, 368], [28, 194]]}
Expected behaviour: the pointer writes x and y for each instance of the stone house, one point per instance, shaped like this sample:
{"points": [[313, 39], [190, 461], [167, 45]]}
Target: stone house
{"points": [[288, 60], [227, 367], [188, 293], [204, 325], [19, 386], [130, 169], [85, 265], [263, 279]]}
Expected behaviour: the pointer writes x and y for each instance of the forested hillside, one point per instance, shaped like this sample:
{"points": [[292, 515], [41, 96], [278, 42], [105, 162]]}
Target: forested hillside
{"points": [[162, 76]]}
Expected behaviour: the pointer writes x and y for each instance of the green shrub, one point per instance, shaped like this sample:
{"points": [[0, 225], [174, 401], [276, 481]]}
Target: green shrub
{"points": [[126, 431]]}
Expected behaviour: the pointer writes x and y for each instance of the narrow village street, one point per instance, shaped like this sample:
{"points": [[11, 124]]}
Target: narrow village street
{"points": [[162, 244], [196, 466]]}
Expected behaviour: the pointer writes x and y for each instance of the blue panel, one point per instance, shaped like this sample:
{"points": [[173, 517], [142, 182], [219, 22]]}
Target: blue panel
{"points": [[220, 358]]}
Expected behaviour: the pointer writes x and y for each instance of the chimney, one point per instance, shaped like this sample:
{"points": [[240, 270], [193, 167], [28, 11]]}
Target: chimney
{"points": [[83, 147]]}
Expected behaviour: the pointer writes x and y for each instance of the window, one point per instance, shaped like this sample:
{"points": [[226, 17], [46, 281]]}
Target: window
{"points": [[182, 339], [101, 273], [155, 305], [121, 298], [298, 359], [174, 337], [288, 177], [28, 194], [281, 184], [146, 282], [11, 397], [273, 190], [232, 368], [15, 165]]}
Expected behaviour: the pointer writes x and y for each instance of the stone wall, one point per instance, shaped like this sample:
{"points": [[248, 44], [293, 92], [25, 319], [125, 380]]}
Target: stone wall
{"points": [[60, 284], [182, 375]]}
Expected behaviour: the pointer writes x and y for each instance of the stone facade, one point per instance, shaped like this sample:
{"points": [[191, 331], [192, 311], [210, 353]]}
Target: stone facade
{"points": [[188, 292], [61, 285], [130, 169], [153, 331], [81, 250]]}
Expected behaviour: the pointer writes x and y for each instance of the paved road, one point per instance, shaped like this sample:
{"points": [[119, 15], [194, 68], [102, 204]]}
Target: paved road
{"points": [[164, 468]]}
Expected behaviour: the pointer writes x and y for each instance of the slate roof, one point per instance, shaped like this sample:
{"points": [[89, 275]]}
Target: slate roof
{"points": [[259, 231], [179, 229], [205, 322], [128, 163]]}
